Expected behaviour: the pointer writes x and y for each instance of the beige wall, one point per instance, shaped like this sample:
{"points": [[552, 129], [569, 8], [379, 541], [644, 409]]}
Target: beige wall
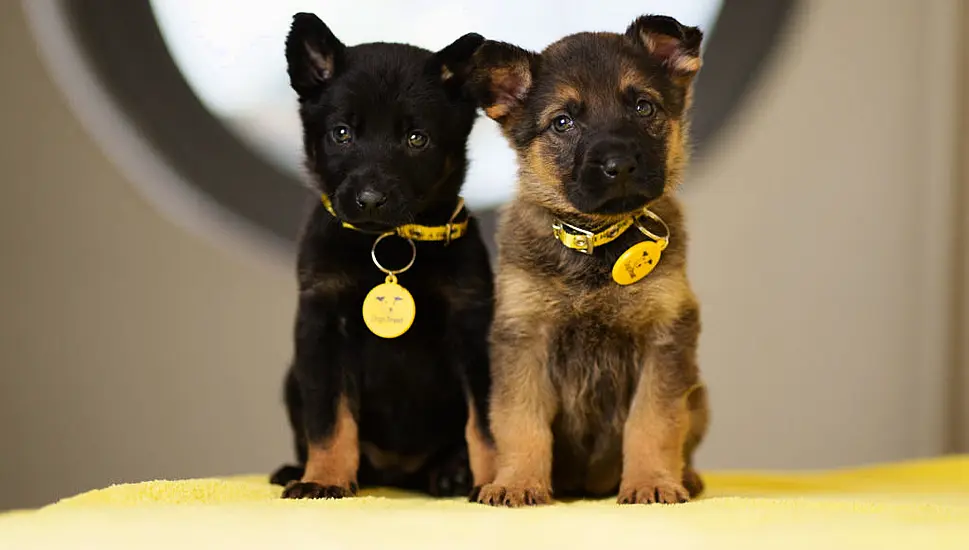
{"points": [[959, 399], [821, 244], [131, 349]]}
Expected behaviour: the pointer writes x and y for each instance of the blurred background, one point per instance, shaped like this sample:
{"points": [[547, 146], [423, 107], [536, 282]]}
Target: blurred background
{"points": [[150, 199]]}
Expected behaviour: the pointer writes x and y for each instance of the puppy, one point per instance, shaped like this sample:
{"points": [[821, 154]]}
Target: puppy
{"points": [[596, 387], [372, 398]]}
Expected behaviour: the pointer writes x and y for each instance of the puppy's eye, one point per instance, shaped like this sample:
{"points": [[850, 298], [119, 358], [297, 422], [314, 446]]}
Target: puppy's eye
{"points": [[342, 134], [417, 140], [563, 123], [645, 108]]}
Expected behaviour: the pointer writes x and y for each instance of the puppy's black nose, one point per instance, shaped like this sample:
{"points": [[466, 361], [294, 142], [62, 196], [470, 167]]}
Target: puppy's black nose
{"points": [[369, 199], [618, 166]]}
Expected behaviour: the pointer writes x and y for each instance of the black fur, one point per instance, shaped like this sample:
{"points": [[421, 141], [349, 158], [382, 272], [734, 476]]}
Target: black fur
{"points": [[408, 394]]}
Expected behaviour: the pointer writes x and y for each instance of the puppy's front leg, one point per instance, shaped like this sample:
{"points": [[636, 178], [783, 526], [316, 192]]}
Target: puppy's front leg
{"points": [[331, 431], [473, 349], [523, 405], [659, 417]]}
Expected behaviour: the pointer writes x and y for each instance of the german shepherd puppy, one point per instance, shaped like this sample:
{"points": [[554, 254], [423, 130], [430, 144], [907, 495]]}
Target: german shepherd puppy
{"points": [[385, 131], [596, 388]]}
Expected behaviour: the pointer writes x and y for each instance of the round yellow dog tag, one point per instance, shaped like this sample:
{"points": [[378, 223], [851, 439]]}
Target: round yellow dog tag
{"points": [[637, 261], [388, 309]]}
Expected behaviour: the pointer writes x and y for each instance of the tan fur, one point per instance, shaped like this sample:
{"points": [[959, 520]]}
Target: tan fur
{"points": [[655, 433], [599, 379], [522, 400], [507, 78], [699, 407], [496, 111], [481, 453], [334, 461], [631, 77], [544, 179], [564, 94], [446, 73], [676, 154], [687, 65]]}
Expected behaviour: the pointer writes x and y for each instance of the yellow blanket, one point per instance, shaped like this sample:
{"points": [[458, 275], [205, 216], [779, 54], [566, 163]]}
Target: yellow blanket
{"points": [[920, 505]]}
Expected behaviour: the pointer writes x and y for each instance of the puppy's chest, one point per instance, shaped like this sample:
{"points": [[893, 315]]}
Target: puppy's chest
{"points": [[594, 364], [599, 344], [616, 308], [431, 339], [420, 359]]}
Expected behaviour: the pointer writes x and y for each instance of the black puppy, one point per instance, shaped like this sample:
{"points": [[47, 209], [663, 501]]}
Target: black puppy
{"points": [[385, 135]]}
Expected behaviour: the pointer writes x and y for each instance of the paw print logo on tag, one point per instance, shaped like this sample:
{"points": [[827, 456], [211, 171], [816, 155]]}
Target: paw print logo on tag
{"points": [[637, 262]]}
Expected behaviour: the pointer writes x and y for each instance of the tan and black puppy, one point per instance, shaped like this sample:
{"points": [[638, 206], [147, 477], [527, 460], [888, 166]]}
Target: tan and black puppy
{"points": [[596, 388]]}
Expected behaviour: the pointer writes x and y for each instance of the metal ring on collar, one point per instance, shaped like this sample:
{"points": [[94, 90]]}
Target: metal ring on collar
{"points": [[642, 229], [373, 255]]}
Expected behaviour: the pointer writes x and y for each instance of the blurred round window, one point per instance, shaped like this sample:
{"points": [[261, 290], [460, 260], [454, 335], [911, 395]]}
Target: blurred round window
{"points": [[232, 58], [200, 86]]}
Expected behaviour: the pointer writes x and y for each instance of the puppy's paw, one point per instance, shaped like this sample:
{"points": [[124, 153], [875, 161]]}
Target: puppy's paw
{"points": [[286, 475], [451, 478], [309, 489], [514, 497], [659, 490]]}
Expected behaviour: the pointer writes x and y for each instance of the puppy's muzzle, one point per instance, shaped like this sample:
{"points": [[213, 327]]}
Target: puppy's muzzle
{"points": [[616, 160], [618, 167], [617, 176], [369, 196]]}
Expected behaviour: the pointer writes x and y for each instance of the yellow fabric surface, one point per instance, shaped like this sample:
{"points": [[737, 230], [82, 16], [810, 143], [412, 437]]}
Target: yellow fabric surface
{"points": [[923, 505]]}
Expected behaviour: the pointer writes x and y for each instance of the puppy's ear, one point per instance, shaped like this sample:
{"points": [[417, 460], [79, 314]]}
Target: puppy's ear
{"points": [[502, 78], [453, 63], [675, 46], [313, 54]]}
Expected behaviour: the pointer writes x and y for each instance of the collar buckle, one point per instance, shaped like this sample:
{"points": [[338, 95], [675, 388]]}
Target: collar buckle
{"points": [[450, 228], [574, 237], [448, 232]]}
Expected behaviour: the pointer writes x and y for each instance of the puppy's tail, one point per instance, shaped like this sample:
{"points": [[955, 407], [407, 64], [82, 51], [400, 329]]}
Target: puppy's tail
{"points": [[286, 474], [699, 420]]}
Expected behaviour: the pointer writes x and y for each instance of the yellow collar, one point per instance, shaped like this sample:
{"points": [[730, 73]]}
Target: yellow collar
{"points": [[447, 232], [586, 241]]}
